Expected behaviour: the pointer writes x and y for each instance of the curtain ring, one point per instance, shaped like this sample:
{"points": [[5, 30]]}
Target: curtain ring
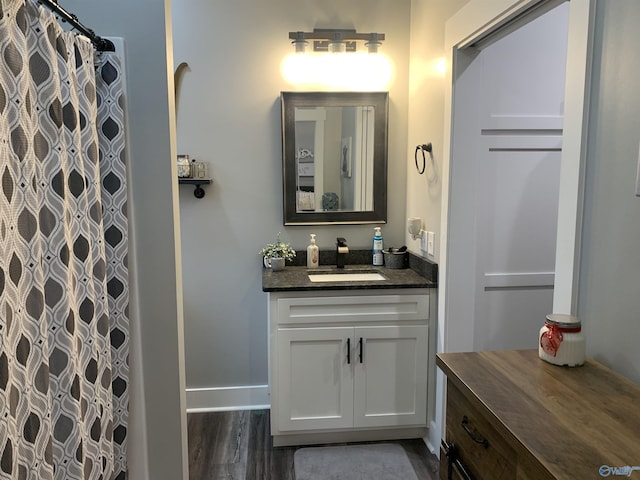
{"points": [[425, 147]]}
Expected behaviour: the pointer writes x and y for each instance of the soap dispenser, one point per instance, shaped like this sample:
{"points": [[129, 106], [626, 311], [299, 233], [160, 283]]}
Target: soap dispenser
{"points": [[378, 258], [313, 256]]}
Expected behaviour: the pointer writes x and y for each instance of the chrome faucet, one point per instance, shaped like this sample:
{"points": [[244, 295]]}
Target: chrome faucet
{"points": [[341, 251]]}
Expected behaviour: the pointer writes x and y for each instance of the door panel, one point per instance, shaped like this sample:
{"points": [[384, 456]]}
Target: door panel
{"points": [[310, 126], [391, 379], [517, 192], [315, 383]]}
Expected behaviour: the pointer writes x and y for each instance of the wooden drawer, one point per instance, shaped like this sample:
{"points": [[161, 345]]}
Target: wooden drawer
{"points": [[489, 456]]}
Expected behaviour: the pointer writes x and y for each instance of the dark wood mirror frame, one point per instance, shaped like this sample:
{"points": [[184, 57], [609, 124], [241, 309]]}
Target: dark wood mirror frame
{"points": [[289, 102]]}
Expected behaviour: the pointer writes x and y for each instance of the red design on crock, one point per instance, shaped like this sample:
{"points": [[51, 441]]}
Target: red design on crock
{"points": [[551, 339]]}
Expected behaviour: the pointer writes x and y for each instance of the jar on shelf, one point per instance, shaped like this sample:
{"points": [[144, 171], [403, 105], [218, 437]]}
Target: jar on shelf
{"points": [[561, 341], [184, 166], [201, 170]]}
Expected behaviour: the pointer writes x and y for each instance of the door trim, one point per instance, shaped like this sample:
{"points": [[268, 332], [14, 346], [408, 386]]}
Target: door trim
{"points": [[574, 154]]}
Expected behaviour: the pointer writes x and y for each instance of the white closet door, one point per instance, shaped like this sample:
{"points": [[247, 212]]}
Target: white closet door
{"points": [[519, 143]]}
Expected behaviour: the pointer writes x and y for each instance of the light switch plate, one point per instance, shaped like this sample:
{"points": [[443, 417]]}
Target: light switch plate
{"points": [[638, 177], [430, 243]]}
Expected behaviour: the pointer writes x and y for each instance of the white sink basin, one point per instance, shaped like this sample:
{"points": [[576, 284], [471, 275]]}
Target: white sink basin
{"points": [[346, 277]]}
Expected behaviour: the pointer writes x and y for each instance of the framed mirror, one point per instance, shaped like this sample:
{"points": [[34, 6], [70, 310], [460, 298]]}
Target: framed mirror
{"points": [[334, 157]]}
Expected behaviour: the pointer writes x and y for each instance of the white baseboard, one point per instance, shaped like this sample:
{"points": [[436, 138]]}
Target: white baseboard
{"points": [[429, 440], [251, 397]]}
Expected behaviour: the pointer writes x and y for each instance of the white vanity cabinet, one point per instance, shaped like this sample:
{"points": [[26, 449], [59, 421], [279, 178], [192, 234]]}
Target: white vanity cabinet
{"points": [[348, 365]]}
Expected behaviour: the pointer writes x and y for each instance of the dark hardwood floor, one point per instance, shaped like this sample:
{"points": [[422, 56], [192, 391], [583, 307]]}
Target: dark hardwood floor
{"points": [[237, 446]]}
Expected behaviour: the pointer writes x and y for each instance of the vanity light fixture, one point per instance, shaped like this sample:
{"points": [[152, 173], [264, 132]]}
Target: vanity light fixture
{"points": [[335, 40], [349, 69], [298, 41]]}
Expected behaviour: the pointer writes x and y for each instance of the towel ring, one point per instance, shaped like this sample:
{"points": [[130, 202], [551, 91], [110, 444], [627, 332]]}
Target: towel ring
{"points": [[425, 147]]}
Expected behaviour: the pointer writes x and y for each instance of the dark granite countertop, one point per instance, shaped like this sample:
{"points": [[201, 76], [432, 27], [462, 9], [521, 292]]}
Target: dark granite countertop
{"points": [[295, 278]]}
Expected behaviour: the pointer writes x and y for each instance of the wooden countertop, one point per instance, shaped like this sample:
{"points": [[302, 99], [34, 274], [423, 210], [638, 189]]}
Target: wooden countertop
{"points": [[568, 421]]}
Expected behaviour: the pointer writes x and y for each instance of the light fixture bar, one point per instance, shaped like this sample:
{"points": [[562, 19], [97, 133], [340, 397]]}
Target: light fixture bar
{"points": [[324, 38]]}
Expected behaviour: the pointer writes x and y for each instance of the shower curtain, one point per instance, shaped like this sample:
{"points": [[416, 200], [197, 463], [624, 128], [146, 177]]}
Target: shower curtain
{"points": [[63, 253]]}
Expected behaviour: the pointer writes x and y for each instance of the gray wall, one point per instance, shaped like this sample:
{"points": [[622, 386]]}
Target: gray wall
{"points": [[609, 289], [426, 113], [229, 116], [157, 433]]}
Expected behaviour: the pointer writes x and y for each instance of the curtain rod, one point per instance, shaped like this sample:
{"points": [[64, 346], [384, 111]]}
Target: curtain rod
{"points": [[101, 44]]}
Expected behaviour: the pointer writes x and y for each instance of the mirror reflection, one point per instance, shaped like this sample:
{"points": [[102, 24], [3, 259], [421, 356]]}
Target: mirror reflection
{"points": [[334, 160], [334, 155]]}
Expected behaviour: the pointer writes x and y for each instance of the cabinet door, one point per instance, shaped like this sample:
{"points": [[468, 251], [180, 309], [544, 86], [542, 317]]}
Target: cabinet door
{"points": [[315, 380], [390, 376]]}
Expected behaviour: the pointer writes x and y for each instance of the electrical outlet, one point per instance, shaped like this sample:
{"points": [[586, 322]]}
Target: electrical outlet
{"points": [[423, 240], [430, 243]]}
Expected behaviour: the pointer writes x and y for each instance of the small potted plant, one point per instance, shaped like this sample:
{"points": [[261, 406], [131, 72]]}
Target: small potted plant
{"points": [[275, 254]]}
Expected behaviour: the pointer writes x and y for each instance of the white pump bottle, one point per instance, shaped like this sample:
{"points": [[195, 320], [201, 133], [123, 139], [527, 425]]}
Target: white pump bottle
{"points": [[313, 256]]}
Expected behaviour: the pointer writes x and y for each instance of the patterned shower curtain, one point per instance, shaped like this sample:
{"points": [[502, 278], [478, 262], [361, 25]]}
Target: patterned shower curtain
{"points": [[63, 253]]}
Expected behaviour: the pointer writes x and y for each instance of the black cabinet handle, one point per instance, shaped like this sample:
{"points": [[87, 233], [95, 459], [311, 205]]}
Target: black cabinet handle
{"points": [[461, 470], [360, 354], [474, 435], [453, 461], [348, 351]]}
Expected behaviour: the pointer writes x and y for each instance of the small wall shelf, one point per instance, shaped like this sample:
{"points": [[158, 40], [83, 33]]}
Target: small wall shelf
{"points": [[197, 182]]}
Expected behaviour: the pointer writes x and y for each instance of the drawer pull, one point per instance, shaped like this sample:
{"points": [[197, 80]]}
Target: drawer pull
{"points": [[474, 435], [360, 354], [348, 351], [453, 462]]}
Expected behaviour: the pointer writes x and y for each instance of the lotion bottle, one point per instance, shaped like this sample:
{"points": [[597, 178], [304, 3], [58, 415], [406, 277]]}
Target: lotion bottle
{"points": [[313, 256], [378, 258]]}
